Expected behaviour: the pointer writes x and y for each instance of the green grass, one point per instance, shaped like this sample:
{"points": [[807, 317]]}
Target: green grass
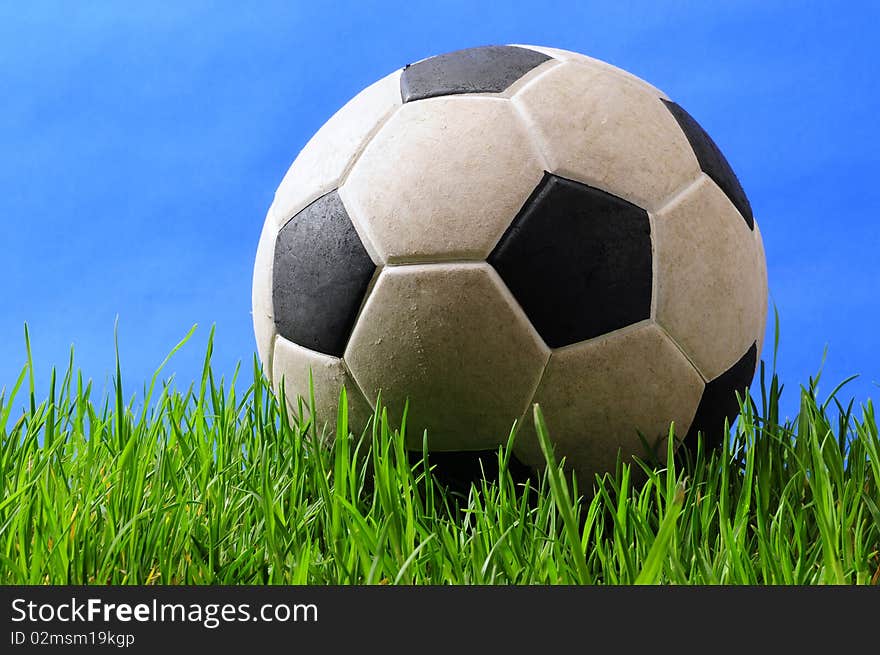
{"points": [[215, 485]]}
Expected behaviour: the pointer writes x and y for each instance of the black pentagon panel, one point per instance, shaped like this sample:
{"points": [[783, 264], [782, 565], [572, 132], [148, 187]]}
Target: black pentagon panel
{"points": [[712, 161], [487, 69], [320, 275], [719, 402], [578, 260]]}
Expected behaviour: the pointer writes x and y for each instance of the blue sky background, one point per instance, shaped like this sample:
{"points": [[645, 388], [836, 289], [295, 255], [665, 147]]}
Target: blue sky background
{"points": [[142, 144]]}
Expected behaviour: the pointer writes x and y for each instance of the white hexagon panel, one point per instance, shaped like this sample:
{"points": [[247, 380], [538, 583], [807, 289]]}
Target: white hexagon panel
{"points": [[442, 179], [607, 131], [292, 365], [452, 341], [639, 372]]}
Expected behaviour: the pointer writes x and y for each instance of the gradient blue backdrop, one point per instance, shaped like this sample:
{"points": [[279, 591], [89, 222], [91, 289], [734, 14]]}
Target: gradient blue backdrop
{"points": [[142, 143]]}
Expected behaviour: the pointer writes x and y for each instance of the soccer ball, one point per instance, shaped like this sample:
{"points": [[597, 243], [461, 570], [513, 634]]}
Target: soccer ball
{"points": [[509, 225]]}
